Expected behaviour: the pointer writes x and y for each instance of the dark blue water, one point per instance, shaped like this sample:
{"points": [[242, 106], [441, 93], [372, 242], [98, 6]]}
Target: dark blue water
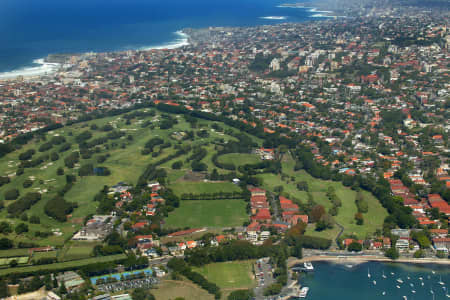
{"points": [[336, 282], [31, 29]]}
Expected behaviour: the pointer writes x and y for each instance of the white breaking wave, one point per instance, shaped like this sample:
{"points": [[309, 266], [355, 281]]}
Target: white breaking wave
{"points": [[320, 11], [290, 6], [274, 18], [182, 40], [43, 68]]}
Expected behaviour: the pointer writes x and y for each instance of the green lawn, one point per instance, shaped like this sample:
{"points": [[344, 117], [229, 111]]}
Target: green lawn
{"points": [[239, 159], [181, 187], [229, 275], [208, 213]]}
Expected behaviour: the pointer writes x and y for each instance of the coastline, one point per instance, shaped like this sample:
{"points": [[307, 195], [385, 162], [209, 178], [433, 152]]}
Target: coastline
{"points": [[41, 67], [369, 258]]}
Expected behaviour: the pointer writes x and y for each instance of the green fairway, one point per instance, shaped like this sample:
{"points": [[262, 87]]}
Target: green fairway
{"points": [[229, 275], [239, 159], [209, 213], [182, 187]]}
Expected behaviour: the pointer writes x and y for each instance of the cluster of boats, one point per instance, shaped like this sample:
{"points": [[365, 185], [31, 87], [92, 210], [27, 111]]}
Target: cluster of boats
{"points": [[413, 291]]}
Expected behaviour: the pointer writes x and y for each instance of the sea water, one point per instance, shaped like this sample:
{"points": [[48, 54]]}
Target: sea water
{"points": [[336, 281], [30, 29]]}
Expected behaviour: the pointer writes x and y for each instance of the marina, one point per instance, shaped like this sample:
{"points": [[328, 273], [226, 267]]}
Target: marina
{"points": [[375, 280]]}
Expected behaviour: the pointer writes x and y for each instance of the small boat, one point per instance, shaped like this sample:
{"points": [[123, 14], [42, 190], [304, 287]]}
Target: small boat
{"points": [[392, 273], [433, 272], [398, 286], [422, 284], [399, 280], [440, 281], [411, 284], [383, 293], [420, 278], [308, 267], [374, 282], [384, 276], [432, 292], [413, 291], [303, 292], [408, 277], [368, 273], [404, 297]]}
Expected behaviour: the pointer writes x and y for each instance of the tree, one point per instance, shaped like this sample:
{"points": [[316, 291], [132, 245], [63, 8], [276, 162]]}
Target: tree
{"points": [[6, 244], [13, 263], [11, 194], [62, 289], [316, 213], [359, 218], [3, 289], [354, 247], [177, 165], [141, 294], [27, 183], [241, 295], [21, 228], [419, 254], [392, 253], [60, 171]]}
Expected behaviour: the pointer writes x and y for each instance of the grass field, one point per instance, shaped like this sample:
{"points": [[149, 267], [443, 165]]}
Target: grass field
{"points": [[239, 159], [77, 250], [181, 187], [170, 289], [208, 213], [372, 220], [229, 275]]}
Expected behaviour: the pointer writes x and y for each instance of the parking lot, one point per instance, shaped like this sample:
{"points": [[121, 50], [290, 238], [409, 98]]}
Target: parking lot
{"points": [[264, 276], [128, 284]]}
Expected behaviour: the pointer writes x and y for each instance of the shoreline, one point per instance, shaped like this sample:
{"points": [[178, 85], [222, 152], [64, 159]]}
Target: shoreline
{"points": [[364, 259], [41, 67]]}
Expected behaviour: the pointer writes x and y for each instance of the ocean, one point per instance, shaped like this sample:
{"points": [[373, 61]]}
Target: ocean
{"points": [[30, 29], [336, 282]]}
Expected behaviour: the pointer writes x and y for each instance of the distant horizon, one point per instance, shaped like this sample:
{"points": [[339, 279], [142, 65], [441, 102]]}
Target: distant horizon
{"points": [[53, 27]]}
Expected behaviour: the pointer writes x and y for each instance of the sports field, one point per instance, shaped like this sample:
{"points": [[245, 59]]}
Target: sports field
{"points": [[208, 213], [229, 275]]}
